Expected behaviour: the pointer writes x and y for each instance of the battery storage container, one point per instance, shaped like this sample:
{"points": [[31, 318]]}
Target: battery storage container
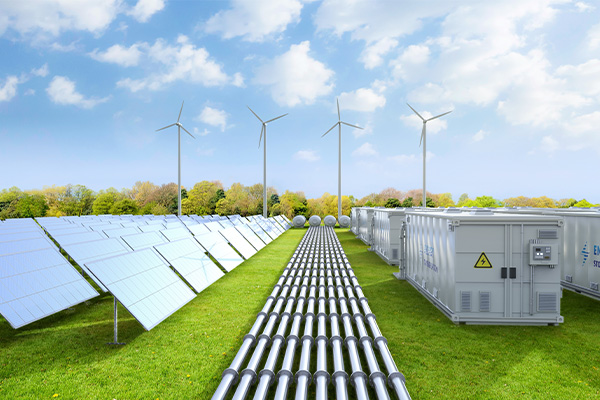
{"points": [[365, 224], [388, 234], [479, 267], [354, 220]]}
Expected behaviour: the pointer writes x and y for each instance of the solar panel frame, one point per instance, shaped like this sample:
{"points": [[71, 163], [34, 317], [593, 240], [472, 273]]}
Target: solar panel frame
{"points": [[94, 250], [217, 246], [260, 232], [176, 234], [39, 283], [120, 231], [190, 261], [251, 237], [198, 229], [144, 240], [273, 234], [144, 284], [214, 226], [78, 237], [239, 242]]}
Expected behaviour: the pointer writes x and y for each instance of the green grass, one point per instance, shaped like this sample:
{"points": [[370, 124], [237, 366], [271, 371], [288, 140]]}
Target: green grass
{"points": [[184, 356]]}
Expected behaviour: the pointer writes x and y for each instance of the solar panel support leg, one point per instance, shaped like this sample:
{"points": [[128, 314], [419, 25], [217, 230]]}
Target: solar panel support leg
{"points": [[116, 342]]}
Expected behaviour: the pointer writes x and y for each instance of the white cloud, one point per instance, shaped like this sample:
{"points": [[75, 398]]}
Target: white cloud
{"points": [[29, 92], [583, 7], [43, 18], [411, 63], [9, 89], [238, 80], [367, 130], [583, 78], [295, 77], [254, 20], [372, 55], [306, 155], [480, 135], [366, 150], [41, 71], [214, 117], [62, 91], [144, 9], [549, 144], [362, 99], [182, 61], [120, 55], [64, 48], [593, 37], [198, 132]]}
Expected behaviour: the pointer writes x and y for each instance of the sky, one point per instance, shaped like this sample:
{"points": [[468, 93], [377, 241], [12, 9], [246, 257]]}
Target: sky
{"points": [[84, 85]]}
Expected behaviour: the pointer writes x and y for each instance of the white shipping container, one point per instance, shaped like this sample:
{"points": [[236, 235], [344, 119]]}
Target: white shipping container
{"points": [[365, 224], [354, 220], [478, 267], [387, 234]]}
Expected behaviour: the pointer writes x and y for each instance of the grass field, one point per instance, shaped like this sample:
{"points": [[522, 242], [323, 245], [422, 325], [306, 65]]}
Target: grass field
{"points": [[65, 355]]}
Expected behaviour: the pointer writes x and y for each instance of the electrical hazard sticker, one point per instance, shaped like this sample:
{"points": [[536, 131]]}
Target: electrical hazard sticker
{"points": [[483, 262]]}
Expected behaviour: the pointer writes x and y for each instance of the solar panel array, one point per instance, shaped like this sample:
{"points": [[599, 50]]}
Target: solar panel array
{"points": [[127, 255]]}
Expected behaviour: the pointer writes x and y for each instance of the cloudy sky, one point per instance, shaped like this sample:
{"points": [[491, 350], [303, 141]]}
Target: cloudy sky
{"points": [[85, 84]]}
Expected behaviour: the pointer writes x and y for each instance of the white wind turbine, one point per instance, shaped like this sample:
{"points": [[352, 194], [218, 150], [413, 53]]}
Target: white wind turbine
{"points": [[424, 141], [179, 128], [339, 125], [264, 129]]}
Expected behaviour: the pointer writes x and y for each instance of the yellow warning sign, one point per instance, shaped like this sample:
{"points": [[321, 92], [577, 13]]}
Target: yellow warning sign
{"points": [[483, 262]]}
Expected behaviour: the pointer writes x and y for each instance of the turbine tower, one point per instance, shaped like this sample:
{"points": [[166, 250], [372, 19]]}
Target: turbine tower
{"points": [[424, 141], [264, 129], [179, 128], [339, 125]]}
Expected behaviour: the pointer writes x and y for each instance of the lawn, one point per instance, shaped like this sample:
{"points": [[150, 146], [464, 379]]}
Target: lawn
{"points": [[65, 355]]}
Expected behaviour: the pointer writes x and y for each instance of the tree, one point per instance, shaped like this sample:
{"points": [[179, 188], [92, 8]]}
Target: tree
{"points": [[443, 200], [142, 192], [462, 199], [104, 202], [124, 206], [29, 206], [583, 204], [566, 203], [392, 203], [408, 202], [166, 196]]}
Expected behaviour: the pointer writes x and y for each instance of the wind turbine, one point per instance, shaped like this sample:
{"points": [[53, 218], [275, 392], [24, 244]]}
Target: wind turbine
{"points": [[424, 141], [179, 128], [339, 125], [264, 129]]}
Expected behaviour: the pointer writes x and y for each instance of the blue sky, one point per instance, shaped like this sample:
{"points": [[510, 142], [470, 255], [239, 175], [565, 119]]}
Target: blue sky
{"points": [[85, 84]]}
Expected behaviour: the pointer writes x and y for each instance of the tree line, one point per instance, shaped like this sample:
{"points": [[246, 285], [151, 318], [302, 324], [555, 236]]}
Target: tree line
{"points": [[210, 197]]}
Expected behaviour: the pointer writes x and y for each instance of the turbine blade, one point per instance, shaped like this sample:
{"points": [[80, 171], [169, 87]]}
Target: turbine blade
{"points": [[354, 126], [187, 131], [261, 132], [255, 114], [441, 115], [180, 111], [422, 134], [168, 126], [415, 111], [334, 125], [338, 105], [271, 120]]}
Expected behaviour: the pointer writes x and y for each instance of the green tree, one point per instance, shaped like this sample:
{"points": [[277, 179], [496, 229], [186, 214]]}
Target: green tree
{"points": [[104, 202], [124, 206], [462, 199], [583, 204], [566, 203], [29, 206], [407, 202], [392, 203]]}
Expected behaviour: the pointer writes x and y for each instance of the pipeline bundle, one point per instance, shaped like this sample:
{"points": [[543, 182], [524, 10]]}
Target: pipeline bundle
{"points": [[316, 296]]}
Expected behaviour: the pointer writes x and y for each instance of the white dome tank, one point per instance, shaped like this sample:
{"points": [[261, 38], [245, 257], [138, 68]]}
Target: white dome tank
{"points": [[315, 220], [345, 221], [330, 220], [299, 221]]}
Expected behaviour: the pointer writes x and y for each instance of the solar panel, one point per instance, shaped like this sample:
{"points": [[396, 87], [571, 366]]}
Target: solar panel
{"points": [[127, 224], [95, 250], [24, 245], [284, 224], [78, 238], [273, 234], [250, 236], [189, 260], [151, 228], [216, 245], [260, 232], [174, 224], [39, 283], [276, 225], [198, 229], [144, 240], [238, 241], [121, 232], [144, 284], [12, 236], [226, 223], [102, 227], [69, 229], [214, 226], [176, 234]]}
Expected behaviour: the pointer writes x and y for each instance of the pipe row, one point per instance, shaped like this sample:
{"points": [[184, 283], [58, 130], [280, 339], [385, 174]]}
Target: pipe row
{"points": [[318, 279]]}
